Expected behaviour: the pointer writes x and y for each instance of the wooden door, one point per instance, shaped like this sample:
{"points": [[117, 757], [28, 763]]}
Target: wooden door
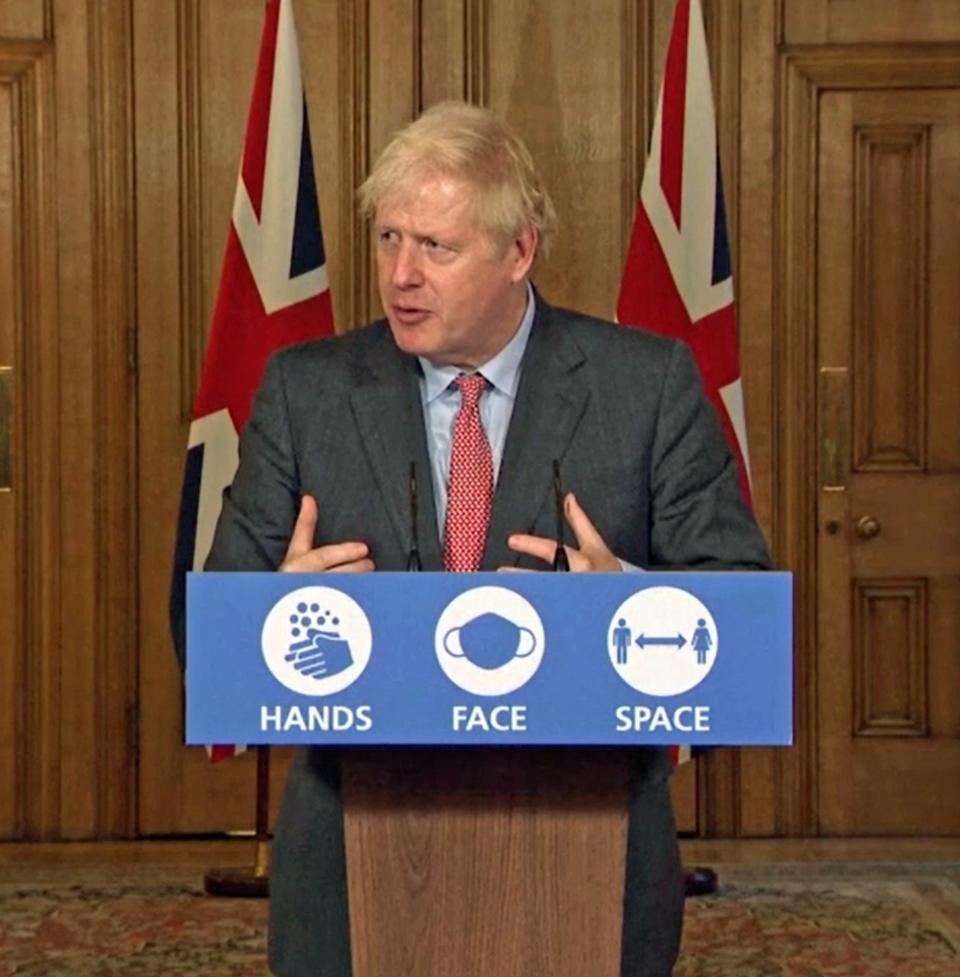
{"points": [[888, 352]]}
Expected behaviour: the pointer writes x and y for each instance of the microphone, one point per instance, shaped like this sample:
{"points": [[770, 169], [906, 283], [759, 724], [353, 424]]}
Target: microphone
{"points": [[560, 562], [413, 559]]}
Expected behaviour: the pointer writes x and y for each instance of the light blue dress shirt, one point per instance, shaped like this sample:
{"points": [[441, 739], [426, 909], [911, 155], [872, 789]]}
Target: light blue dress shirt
{"points": [[441, 401]]}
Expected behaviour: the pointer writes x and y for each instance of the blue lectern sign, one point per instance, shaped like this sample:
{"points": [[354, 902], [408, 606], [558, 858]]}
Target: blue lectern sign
{"points": [[424, 658]]}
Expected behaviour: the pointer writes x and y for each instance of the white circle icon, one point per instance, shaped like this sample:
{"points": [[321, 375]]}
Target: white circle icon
{"points": [[489, 641], [316, 641], [662, 641]]}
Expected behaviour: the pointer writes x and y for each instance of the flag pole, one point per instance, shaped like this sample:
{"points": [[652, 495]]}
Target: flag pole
{"points": [[262, 304], [250, 883], [666, 287]]}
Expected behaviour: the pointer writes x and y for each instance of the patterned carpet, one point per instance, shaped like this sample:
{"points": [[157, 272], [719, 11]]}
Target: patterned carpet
{"points": [[797, 920]]}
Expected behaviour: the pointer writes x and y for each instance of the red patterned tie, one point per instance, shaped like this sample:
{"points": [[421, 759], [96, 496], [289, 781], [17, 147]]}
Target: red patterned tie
{"points": [[470, 484]]}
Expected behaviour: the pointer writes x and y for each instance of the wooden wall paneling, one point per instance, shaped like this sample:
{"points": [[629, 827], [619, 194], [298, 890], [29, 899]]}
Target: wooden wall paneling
{"points": [[93, 659], [392, 64], [549, 69], [445, 26], [12, 496], [353, 284], [26, 19], [218, 60], [454, 51], [762, 771], [165, 372], [794, 365], [866, 21], [193, 79], [804, 22], [720, 773], [29, 517], [114, 501], [76, 684], [186, 168]]}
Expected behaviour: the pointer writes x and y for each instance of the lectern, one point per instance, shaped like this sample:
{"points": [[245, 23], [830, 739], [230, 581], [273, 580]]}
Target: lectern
{"points": [[503, 862], [487, 725]]}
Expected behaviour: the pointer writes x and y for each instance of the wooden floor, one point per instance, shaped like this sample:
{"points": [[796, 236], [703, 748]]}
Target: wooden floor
{"points": [[695, 852]]}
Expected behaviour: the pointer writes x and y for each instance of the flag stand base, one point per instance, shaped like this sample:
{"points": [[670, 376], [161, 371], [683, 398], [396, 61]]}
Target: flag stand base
{"points": [[246, 883], [699, 881], [249, 883]]}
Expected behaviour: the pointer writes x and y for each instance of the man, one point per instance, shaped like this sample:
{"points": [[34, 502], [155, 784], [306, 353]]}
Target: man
{"points": [[481, 386]]}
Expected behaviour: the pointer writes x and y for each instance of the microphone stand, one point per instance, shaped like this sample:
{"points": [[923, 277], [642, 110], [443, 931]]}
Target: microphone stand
{"points": [[561, 564], [413, 559]]}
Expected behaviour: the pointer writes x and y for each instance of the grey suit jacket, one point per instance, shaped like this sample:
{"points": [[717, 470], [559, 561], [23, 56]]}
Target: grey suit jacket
{"points": [[620, 409], [341, 419]]}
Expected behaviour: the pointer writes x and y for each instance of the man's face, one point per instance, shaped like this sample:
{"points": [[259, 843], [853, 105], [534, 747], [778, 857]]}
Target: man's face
{"points": [[449, 292]]}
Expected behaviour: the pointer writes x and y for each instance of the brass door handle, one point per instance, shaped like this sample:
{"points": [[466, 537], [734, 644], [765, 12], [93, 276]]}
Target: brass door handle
{"points": [[868, 527]]}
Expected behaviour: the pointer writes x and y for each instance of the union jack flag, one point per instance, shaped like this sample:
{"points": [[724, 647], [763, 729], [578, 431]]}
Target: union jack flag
{"points": [[273, 291], [677, 278]]}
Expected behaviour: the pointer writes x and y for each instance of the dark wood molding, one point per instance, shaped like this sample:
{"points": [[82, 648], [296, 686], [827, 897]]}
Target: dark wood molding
{"points": [[476, 51], [354, 83], [114, 298], [191, 250], [720, 773], [794, 529], [828, 22], [637, 102], [27, 68]]}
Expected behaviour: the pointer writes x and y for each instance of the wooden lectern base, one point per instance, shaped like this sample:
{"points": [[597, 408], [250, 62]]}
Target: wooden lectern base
{"points": [[485, 862]]}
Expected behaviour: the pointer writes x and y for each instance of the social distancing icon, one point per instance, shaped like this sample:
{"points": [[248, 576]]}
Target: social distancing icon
{"points": [[662, 641]]}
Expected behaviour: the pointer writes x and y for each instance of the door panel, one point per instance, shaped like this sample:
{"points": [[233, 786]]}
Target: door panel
{"points": [[889, 500]]}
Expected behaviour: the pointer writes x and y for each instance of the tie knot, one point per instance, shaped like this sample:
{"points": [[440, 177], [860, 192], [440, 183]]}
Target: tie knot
{"points": [[471, 386]]}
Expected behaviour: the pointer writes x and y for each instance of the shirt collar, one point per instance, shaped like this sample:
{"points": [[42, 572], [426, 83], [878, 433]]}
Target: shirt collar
{"points": [[502, 371]]}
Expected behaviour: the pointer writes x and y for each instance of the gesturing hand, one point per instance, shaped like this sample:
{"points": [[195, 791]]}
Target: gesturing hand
{"points": [[303, 557], [592, 555]]}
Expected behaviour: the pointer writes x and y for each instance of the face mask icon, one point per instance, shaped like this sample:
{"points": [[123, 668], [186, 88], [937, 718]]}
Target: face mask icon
{"points": [[489, 641]]}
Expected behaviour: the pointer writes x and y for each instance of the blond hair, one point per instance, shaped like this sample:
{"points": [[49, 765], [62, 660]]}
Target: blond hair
{"points": [[471, 144]]}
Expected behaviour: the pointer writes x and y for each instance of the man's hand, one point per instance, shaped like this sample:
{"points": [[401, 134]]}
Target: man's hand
{"points": [[303, 557], [592, 555]]}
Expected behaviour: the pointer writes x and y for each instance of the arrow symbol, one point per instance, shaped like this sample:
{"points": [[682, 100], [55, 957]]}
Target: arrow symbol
{"points": [[678, 642]]}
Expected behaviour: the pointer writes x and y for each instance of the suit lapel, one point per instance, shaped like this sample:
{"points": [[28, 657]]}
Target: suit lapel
{"points": [[389, 416], [550, 402]]}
